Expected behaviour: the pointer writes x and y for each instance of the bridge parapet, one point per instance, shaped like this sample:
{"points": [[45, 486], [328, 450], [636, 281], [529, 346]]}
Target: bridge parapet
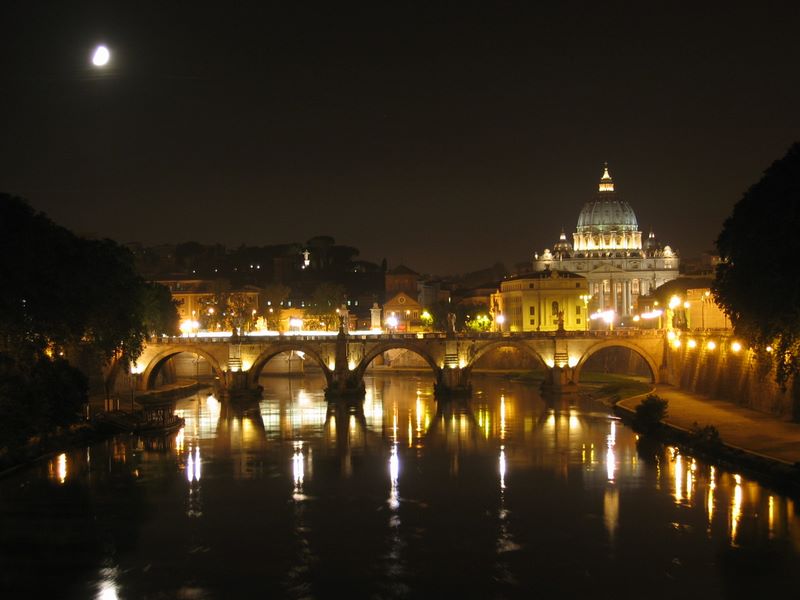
{"points": [[344, 358]]}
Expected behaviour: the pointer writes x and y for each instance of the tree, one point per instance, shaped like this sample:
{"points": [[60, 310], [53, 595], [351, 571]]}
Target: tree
{"points": [[759, 246], [159, 310], [272, 296], [325, 300]]}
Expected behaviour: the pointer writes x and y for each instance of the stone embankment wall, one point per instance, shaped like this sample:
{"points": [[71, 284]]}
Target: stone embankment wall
{"points": [[744, 377]]}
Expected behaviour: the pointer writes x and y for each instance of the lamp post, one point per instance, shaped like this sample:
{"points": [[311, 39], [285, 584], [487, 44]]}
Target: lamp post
{"points": [[500, 319]]}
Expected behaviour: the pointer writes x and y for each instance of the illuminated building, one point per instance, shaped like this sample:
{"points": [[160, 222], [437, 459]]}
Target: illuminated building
{"points": [[607, 249], [536, 301]]}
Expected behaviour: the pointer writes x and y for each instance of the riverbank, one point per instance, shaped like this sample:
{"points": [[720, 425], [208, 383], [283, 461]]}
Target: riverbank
{"points": [[762, 446]]}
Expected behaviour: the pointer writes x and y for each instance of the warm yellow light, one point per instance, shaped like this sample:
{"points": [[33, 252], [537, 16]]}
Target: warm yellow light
{"points": [[736, 346], [426, 315], [768, 348], [674, 302], [636, 318], [670, 335], [685, 305], [676, 344], [691, 344], [711, 344]]}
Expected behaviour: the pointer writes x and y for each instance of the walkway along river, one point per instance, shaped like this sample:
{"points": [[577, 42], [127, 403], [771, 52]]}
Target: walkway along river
{"points": [[507, 494]]}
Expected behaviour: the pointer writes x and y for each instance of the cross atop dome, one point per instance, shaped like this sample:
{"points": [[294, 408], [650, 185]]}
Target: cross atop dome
{"points": [[606, 183]]}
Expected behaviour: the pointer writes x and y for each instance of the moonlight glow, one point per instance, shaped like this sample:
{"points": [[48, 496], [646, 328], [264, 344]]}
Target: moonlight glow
{"points": [[101, 56]]}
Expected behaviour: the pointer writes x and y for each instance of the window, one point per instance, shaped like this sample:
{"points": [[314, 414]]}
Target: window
{"points": [[533, 321], [531, 310], [577, 309], [555, 308], [578, 320], [577, 285]]}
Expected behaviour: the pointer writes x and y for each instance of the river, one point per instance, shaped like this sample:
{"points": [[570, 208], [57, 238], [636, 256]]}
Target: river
{"points": [[504, 495]]}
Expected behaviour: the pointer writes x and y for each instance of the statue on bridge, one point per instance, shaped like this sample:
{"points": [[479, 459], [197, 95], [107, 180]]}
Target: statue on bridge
{"points": [[451, 323]]}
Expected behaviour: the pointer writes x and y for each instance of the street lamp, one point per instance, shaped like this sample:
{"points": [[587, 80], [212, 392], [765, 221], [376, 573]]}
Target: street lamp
{"points": [[500, 319], [391, 321]]}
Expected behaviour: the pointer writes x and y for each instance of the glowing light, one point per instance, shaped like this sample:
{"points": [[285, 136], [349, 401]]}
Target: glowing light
{"points": [[768, 349], [298, 470], [502, 468], [678, 478], [710, 501], [653, 314], [572, 361], [502, 417], [62, 467], [351, 365], [674, 302], [296, 323], [193, 464], [500, 319], [736, 346], [711, 345], [676, 344], [394, 476], [461, 363], [101, 56], [550, 362], [671, 335], [392, 322], [691, 344], [636, 318], [736, 508]]}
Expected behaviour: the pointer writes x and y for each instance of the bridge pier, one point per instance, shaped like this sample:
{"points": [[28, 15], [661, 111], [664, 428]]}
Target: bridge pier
{"points": [[344, 383], [452, 383], [238, 386], [559, 380]]}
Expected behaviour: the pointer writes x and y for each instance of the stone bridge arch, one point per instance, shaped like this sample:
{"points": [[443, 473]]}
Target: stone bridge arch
{"points": [[272, 351], [504, 343], [156, 361], [416, 347], [617, 343]]}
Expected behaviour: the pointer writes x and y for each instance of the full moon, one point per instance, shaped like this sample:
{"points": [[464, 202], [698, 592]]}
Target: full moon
{"points": [[101, 56]]}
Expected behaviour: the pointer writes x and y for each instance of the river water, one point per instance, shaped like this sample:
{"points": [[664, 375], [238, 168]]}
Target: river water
{"points": [[505, 495]]}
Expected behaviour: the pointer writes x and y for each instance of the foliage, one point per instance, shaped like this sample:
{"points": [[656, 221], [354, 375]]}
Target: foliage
{"points": [[272, 295], [224, 309], [468, 316], [649, 414], [37, 396], [60, 290], [159, 310], [759, 246], [705, 438], [325, 300]]}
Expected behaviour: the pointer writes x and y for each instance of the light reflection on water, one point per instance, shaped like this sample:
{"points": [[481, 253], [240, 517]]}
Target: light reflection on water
{"points": [[502, 494]]}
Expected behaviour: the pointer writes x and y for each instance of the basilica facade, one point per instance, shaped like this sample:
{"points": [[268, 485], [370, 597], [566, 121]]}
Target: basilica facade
{"points": [[608, 250]]}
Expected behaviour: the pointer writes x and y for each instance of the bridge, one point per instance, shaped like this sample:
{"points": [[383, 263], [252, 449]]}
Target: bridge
{"points": [[237, 362]]}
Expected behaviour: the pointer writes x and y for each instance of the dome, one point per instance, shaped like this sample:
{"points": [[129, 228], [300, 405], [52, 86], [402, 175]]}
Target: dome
{"points": [[607, 212]]}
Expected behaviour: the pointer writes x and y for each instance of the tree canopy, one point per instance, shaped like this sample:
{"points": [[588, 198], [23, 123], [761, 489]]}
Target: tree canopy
{"points": [[756, 282], [60, 289]]}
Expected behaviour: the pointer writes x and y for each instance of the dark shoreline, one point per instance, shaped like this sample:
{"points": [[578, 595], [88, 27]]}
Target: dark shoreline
{"points": [[781, 476]]}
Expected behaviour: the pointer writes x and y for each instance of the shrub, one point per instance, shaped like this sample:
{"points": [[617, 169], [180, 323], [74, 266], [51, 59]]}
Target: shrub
{"points": [[649, 414], [705, 438]]}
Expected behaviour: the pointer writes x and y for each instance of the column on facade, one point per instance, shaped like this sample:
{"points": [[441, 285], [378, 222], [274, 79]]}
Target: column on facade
{"points": [[614, 296], [626, 288], [601, 295]]}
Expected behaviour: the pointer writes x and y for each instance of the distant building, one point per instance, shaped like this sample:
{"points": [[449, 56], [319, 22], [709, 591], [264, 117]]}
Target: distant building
{"points": [[702, 312], [538, 301], [401, 279], [608, 250], [402, 313]]}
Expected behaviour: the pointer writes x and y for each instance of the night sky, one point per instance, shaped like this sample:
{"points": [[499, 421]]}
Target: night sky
{"points": [[446, 139]]}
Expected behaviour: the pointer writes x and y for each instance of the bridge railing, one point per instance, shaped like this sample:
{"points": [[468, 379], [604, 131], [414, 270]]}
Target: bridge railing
{"points": [[483, 335]]}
